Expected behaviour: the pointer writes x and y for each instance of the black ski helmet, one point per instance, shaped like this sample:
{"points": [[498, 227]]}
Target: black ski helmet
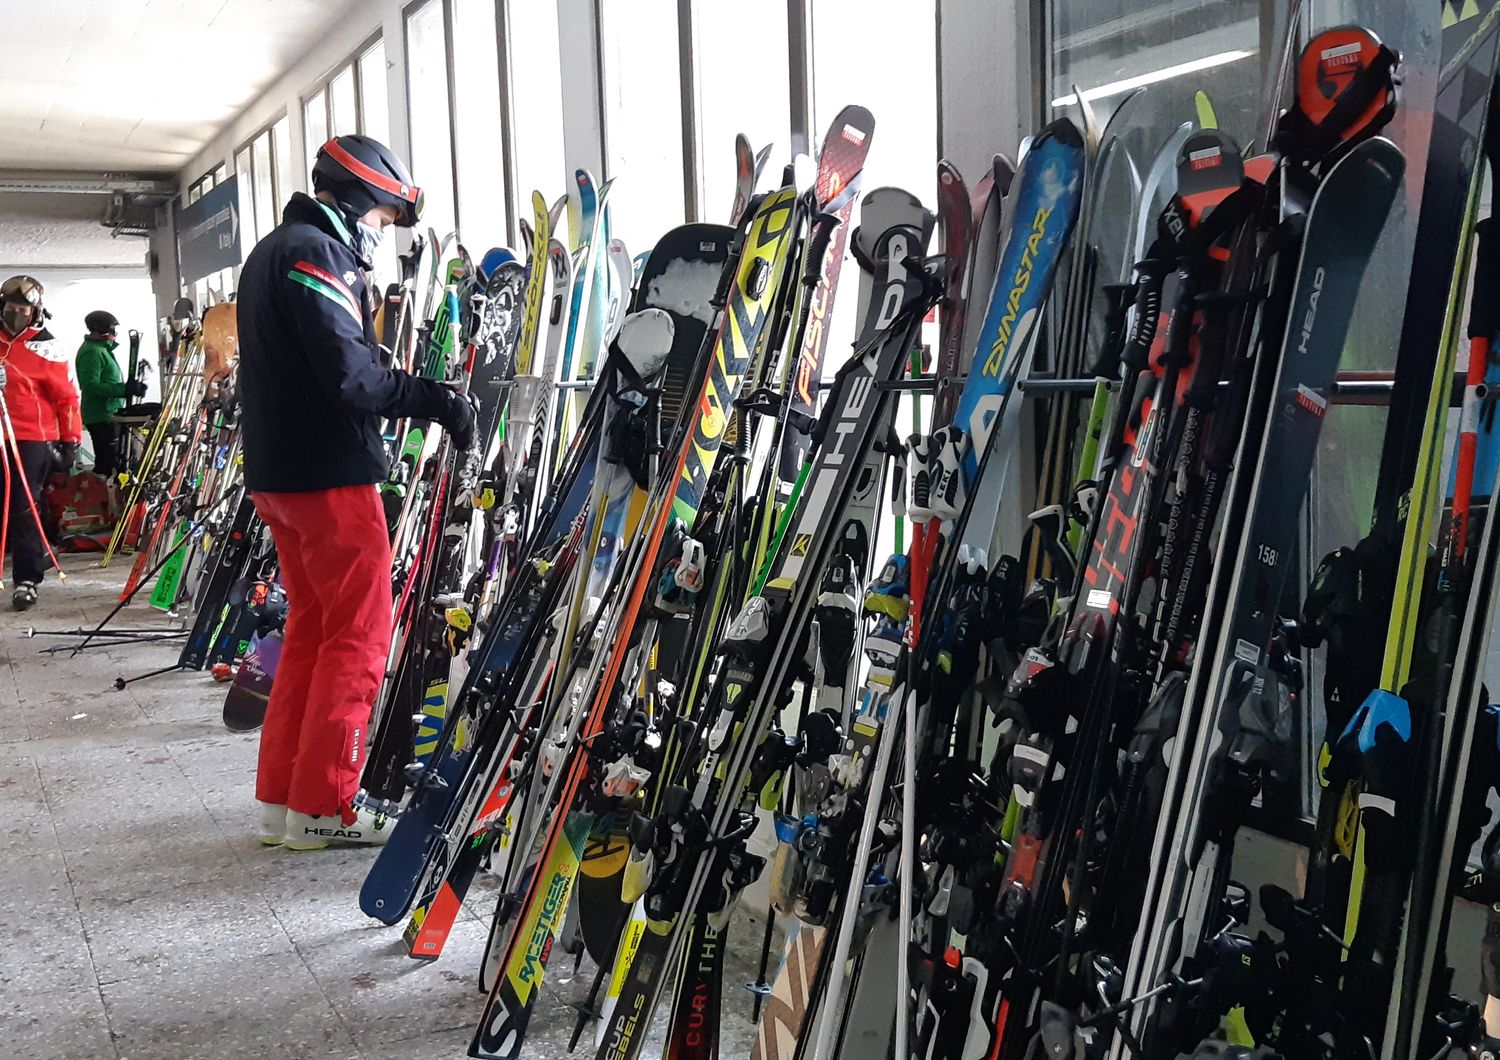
{"points": [[101, 322], [361, 172]]}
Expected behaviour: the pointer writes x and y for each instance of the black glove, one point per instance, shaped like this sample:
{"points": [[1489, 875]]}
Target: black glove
{"points": [[135, 389], [457, 418], [64, 456]]}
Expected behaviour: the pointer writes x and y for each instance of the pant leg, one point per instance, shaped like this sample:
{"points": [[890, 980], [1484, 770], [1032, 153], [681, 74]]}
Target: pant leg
{"points": [[29, 559], [106, 441], [302, 638], [346, 554]]}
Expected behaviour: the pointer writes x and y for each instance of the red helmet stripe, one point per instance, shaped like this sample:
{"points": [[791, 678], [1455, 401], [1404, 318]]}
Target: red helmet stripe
{"points": [[370, 176]]}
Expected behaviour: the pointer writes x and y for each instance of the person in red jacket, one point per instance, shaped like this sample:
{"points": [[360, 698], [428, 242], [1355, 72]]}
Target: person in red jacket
{"points": [[41, 402]]}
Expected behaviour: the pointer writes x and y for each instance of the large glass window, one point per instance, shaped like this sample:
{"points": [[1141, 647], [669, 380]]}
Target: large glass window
{"points": [[198, 187], [477, 128], [281, 147], [374, 98], [903, 148], [427, 110], [536, 104], [343, 109], [1176, 50], [352, 99], [314, 124], [725, 108], [256, 165], [242, 166], [643, 119], [262, 174]]}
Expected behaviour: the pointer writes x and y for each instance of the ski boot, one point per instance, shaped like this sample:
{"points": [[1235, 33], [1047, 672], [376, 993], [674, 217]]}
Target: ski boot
{"points": [[883, 648], [922, 459], [272, 824], [307, 832], [889, 593], [24, 596]]}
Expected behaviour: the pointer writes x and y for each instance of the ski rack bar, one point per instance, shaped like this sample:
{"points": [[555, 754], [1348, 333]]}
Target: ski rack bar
{"points": [[1349, 388]]}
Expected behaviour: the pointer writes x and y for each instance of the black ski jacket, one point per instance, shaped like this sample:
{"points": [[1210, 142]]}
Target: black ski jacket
{"points": [[312, 384]]}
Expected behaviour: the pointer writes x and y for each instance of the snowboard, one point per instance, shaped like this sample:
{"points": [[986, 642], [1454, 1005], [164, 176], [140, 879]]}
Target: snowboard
{"points": [[245, 703]]}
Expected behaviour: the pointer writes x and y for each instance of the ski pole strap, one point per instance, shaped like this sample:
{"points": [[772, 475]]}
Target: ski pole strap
{"points": [[1228, 214]]}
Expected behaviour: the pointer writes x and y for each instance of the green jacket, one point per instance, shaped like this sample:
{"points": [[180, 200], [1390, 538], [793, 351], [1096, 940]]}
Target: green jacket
{"points": [[99, 381]]}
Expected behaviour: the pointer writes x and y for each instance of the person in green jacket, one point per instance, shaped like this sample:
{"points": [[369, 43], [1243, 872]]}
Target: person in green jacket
{"points": [[104, 390]]}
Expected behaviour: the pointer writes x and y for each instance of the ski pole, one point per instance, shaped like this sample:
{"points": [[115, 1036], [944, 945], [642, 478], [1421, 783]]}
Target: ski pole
{"points": [[80, 631], [117, 642], [10, 438], [146, 578], [4, 515]]}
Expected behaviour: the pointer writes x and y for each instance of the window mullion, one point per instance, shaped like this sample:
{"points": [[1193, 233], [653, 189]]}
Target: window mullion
{"points": [[692, 162], [506, 87], [800, 68], [449, 16], [359, 94]]}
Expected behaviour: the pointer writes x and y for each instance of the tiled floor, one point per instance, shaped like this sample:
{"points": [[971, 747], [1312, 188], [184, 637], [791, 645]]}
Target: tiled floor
{"points": [[143, 921]]}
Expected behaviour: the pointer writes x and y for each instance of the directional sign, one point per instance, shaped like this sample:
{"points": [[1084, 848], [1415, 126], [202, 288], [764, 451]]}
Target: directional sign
{"points": [[208, 232]]}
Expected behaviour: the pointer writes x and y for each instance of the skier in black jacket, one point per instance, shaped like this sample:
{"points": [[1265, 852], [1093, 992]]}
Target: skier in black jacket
{"points": [[314, 386]]}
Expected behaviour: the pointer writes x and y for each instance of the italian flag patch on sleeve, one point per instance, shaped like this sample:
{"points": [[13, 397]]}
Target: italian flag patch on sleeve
{"points": [[328, 285]]}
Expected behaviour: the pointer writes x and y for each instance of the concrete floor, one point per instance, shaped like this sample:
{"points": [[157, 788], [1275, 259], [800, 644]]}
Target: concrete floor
{"points": [[144, 921]]}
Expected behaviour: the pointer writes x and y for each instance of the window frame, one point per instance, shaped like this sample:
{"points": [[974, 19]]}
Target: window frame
{"points": [[801, 81], [688, 103], [520, 206], [324, 84], [247, 147], [407, 10], [207, 182]]}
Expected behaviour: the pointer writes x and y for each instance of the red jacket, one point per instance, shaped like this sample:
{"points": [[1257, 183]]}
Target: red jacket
{"points": [[39, 390]]}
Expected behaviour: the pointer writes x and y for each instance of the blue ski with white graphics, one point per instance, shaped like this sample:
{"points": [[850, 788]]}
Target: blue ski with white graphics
{"points": [[1043, 207], [1047, 193]]}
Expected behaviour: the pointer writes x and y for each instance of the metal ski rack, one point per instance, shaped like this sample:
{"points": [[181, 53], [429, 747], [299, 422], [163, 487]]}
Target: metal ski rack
{"points": [[1349, 388]]}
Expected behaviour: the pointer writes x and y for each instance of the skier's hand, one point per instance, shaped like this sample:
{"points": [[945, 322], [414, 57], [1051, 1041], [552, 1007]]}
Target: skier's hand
{"points": [[135, 389], [458, 419], [65, 455]]}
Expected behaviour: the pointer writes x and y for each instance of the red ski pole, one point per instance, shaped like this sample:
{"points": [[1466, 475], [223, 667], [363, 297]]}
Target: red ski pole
{"points": [[4, 512], [36, 515]]}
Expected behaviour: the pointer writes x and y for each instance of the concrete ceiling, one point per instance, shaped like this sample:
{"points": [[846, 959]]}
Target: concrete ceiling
{"points": [[140, 85]]}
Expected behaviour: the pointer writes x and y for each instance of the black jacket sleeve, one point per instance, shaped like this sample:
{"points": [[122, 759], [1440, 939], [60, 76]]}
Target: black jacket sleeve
{"points": [[330, 319]]}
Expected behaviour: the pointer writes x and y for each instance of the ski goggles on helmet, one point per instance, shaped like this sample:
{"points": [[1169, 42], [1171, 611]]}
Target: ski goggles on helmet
{"points": [[411, 197]]}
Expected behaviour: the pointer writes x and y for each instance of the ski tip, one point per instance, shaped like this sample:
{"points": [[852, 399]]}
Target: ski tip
{"points": [[1204, 108]]}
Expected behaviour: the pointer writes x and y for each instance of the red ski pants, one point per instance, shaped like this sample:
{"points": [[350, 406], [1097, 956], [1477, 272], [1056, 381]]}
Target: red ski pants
{"points": [[335, 559]]}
